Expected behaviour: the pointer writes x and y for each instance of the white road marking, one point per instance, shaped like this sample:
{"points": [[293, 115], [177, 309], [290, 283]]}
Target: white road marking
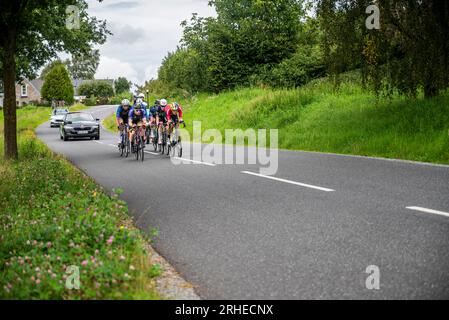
{"points": [[289, 181], [99, 142], [197, 162], [154, 153], [440, 213]]}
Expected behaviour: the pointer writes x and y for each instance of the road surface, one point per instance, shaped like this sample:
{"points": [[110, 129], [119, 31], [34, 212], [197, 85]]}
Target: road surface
{"points": [[309, 232]]}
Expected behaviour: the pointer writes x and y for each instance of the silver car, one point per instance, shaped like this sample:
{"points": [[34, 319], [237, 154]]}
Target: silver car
{"points": [[57, 117]]}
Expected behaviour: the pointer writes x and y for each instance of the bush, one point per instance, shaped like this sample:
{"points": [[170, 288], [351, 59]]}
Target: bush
{"points": [[57, 85], [99, 89]]}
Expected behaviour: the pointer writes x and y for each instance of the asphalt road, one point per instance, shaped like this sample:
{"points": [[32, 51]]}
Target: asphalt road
{"points": [[236, 235]]}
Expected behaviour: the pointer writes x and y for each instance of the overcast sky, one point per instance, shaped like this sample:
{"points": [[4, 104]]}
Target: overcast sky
{"points": [[144, 31]]}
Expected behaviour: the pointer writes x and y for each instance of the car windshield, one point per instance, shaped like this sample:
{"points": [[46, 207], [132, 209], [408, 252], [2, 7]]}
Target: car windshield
{"points": [[77, 117], [61, 112]]}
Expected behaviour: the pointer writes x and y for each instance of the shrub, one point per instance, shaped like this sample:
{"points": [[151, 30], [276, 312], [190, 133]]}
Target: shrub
{"points": [[57, 85]]}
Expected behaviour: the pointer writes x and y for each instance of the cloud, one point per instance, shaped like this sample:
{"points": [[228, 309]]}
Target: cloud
{"points": [[111, 68], [143, 33]]}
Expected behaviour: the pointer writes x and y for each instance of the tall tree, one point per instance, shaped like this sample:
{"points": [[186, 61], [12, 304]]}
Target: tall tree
{"points": [[246, 36], [57, 85], [84, 66], [49, 66], [408, 53], [33, 32], [122, 85]]}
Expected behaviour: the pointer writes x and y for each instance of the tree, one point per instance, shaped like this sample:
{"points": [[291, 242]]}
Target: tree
{"points": [[98, 89], [408, 53], [84, 66], [122, 85], [57, 85], [50, 66], [33, 32]]}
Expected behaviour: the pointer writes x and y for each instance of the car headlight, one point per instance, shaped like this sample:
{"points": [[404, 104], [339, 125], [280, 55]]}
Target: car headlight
{"points": [[68, 128]]}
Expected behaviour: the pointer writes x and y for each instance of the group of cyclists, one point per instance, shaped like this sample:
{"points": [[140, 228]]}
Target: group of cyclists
{"points": [[155, 120]]}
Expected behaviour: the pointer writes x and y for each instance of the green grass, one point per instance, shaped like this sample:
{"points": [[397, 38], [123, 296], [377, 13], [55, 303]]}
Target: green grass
{"points": [[349, 121], [52, 216], [317, 118]]}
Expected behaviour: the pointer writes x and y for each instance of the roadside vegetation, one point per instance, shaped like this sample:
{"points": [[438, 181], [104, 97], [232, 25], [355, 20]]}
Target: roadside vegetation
{"points": [[350, 121], [52, 216], [318, 118]]}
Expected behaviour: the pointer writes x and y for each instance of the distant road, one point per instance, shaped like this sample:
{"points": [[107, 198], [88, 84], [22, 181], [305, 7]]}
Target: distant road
{"points": [[309, 232]]}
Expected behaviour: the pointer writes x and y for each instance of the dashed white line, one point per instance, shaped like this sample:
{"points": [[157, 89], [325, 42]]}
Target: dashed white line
{"points": [[289, 181], [153, 153], [197, 162], [440, 213]]}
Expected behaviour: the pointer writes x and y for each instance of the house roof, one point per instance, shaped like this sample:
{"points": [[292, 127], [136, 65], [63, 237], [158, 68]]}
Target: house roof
{"points": [[37, 84]]}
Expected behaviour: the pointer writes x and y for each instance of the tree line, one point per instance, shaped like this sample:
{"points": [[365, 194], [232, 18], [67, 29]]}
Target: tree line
{"points": [[286, 43]]}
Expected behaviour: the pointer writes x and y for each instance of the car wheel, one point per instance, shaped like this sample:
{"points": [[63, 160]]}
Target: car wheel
{"points": [[97, 137], [65, 137]]}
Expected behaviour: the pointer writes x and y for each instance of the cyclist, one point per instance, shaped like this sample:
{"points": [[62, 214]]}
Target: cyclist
{"points": [[161, 118], [153, 117], [141, 96], [122, 116], [137, 118], [174, 116]]}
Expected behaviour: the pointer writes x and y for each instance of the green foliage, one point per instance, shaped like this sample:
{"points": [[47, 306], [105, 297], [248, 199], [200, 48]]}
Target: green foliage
{"points": [[43, 32], [408, 53], [84, 65], [122, 85], [50, 66], [96, 88], [57, 85], [224, 52], [350, 121], [52, 216]]}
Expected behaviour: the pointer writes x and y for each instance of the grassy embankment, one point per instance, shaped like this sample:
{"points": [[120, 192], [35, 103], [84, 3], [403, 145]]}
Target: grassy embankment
{"points": [[317, 118], [52, 216]]}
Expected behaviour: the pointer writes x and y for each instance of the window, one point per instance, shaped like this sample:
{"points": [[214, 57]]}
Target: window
{"points": [[24, 90]]}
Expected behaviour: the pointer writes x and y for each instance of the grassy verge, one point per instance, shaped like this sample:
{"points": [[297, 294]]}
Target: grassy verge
{"points": [[317, 118], [52, 217], [350, 121]]}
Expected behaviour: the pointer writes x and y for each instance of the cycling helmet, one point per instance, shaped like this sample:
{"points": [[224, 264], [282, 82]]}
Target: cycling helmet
{"points": [[164, 102], [157, 102], [175, 106], [141, 96], [125, 103], [139, 104]]}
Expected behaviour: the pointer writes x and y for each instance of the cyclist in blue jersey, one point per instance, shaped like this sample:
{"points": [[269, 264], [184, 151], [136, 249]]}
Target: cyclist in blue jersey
{"points": [[122, 116], [137, 118]]}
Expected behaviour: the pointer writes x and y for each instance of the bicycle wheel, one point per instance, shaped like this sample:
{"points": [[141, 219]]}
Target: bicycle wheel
{"points": [[137, 146], [155, 140], [179, 148], [127, 146], [122, 145], [142, 151]]}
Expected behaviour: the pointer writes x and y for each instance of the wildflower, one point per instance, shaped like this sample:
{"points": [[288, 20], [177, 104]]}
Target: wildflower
{"points": [[132, 268], [38, 281], [122, 258], [110, 240], [84, 263], [49, 244]]}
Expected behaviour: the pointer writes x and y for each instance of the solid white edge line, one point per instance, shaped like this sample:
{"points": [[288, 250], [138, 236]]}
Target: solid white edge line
{"points": [[289, 181], [440, 213]]}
